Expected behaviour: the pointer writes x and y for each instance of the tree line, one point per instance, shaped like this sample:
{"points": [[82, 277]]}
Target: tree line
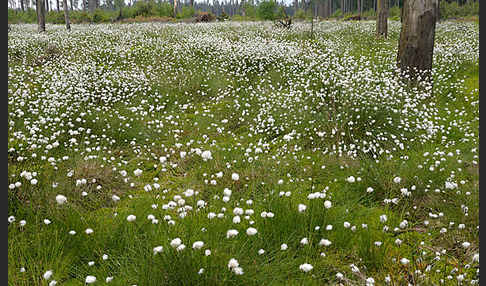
{"points": [[106, 10]]}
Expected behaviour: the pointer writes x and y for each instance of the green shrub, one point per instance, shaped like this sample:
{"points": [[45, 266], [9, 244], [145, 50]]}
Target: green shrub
{"points": [[164, 10], [453, 10], [369, 14], [250, 10], [55, 17], [336, 14], [267, 10], [79, 17], [186, 12], [394, 12]]}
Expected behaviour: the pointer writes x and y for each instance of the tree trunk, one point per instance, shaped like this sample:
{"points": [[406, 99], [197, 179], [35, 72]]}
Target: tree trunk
{"points": [[72, 5], [91, 5], [416, 46], [359, 8], [66, 15], [382, 19], [175, 8], [41, 16], [22, 5], [57, 2], [47, 5]]}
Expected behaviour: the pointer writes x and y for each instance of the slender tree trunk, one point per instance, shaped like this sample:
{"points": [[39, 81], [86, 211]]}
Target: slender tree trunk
{"points": [[57, 2], [47, 5], [382, 19], [41, 16], [72, 5], [22, 5], [416, 46], [175, 8], [91, 5], [66, 15], [359, 8]]}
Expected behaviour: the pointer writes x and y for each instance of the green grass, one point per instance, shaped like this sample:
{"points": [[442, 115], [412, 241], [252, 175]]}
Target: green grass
{"points": [[149, 99]]}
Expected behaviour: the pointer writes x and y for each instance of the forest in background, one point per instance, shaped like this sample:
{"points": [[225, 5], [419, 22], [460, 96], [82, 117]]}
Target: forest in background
{"points": [[105, 11]]}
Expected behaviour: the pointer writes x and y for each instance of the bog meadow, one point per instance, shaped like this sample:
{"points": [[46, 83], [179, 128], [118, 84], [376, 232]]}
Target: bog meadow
{"points": [[241, 153]]}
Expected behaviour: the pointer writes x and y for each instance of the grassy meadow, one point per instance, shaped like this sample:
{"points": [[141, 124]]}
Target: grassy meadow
{"points": [[238, 153]]}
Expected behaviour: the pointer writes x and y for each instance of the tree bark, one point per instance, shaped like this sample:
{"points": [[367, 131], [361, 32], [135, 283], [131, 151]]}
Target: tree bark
{"points": [[359, 8], [382, 19], [22, 5], [66, 15], [416, 46], [175, 8], [91, 5], [57, 2], [47, 5], [41, 16]]}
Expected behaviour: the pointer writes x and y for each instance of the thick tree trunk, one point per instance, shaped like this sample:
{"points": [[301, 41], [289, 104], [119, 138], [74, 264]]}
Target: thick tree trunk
{"points": [[416, 46], [66, 15], [382, 19], [41, 16]]}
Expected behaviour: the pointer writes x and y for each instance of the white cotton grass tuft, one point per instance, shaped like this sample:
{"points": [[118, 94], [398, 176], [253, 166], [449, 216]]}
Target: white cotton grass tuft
{"points": [[232, 263], [176, 242], [60, 199], [231, 233], [90, 279], [306, 267], [327, 204], [47, 275], [251, 231], [404, 261], [234, 266], [206, 155], [131, 218], [301, 207], [325, 242], [198, 245], [158, 249]]}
